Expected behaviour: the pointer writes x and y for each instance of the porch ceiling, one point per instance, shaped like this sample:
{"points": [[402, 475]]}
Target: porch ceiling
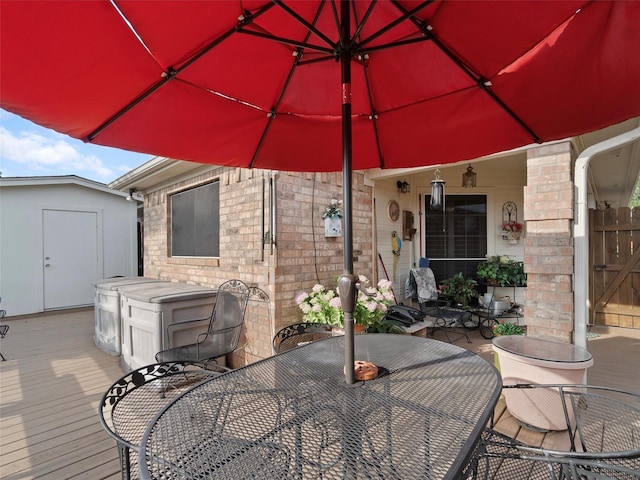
{"points": [[613, 174]]}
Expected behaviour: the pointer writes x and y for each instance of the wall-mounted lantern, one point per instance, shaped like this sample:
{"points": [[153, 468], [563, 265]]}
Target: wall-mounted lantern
{"points": [[469, 178], [403, 187]]}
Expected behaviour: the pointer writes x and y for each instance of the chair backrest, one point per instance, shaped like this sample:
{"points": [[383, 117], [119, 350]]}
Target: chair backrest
{"points": [[602, 423], [298, 334], [602, 420], [226, 322], [133, 400], [259, 307], [421, 285]]}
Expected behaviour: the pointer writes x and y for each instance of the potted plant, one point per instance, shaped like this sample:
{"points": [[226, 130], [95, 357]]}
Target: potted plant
{"points": [[322, 305], [502, 271], [458, 290]]}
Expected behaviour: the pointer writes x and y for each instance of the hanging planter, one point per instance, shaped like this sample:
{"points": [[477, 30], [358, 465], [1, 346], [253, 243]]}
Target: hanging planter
{"points": [[333, 219], [512, 237], [332, 227], [512, 231]]}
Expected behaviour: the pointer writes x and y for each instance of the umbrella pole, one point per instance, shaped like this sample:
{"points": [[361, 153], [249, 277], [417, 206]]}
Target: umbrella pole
{"points": [[347, 281]]}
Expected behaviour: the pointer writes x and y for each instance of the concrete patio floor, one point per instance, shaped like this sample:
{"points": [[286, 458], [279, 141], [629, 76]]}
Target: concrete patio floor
{"points": [[54, 377]]}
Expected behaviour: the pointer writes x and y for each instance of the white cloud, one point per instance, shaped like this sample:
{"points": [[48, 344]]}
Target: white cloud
{"points": [[123, 169], [49, 155]]}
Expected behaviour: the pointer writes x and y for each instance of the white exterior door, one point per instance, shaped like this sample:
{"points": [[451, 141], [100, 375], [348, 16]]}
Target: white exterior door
{"points": [[70, 257]]}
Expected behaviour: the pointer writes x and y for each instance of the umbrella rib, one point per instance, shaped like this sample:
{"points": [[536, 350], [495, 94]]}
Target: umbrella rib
{"points": [[406, 15], [480, 82], [171, 73], [361, 23], [289, 41], [134, 31], [272, 114], [311, 28], [398, 43], [373, 115]]}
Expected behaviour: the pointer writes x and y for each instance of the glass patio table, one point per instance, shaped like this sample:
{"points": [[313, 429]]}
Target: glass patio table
{"points": [[293, 416]]}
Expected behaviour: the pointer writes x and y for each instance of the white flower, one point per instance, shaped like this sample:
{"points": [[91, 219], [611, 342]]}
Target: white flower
{"points": [[325, 306], [371, 306]]}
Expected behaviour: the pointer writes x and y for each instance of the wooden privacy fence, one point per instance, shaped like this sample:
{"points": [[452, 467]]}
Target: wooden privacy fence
{"points": [[614, 283]]}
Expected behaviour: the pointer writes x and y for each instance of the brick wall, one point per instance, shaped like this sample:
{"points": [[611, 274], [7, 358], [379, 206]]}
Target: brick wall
{"points": [[301, 256], [305, 255], [548, 245]]}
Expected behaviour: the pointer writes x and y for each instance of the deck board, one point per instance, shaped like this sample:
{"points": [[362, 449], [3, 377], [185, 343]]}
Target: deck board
{"points": [[51, 385], [54, 377]]}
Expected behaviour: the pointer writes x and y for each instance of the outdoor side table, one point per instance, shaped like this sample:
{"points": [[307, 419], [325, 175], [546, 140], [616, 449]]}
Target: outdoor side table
{"points": [[535, 360], [293, 416]]}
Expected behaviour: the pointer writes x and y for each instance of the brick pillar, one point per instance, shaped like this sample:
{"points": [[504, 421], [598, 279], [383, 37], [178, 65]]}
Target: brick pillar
{"points": [[548, 244]]}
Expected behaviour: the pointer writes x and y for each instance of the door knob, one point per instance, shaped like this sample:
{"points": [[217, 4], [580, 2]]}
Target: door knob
{"points": [[47, 265]]}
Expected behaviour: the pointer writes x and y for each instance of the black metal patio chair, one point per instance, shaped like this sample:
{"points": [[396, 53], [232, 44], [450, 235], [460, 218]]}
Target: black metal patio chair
{"points": [[129, 404], [299, 334], [501, 457], [603, 429], [223, 333], [421, 286]]}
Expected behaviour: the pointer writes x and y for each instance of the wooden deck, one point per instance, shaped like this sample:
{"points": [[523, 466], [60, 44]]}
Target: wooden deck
{"points": [[54, 377]]}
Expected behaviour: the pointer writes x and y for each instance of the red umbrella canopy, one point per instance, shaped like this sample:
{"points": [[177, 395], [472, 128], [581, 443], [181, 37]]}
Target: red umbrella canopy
{"points": [[256, 83]]}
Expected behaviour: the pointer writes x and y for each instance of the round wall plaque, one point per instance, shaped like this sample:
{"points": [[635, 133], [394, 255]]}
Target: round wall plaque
{"points": [[393, 210]]}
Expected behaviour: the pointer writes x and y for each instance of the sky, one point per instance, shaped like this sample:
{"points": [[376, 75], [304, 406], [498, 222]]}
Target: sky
{"points": [[28, 150]]}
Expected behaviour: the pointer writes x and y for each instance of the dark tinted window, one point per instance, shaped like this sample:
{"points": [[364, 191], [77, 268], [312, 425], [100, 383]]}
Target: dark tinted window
{"points": [[195, 222], [456, 238]]}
